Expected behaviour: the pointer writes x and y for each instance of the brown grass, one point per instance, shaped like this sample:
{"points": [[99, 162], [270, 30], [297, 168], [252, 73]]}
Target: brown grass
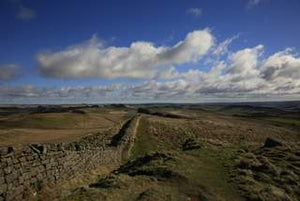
{"points": [[210, 126], [20, 129]]}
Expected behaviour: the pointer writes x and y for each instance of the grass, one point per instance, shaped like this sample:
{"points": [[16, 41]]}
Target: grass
{"points": [[206, 166], [270, 115], [210, 168], [265, 173], [159, 169], [144, 142], [190, 159], [285, 121], [64, 120], [25, 128]]}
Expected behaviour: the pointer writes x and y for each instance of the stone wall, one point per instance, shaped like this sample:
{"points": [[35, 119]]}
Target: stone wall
{"points": [[23, 172]]}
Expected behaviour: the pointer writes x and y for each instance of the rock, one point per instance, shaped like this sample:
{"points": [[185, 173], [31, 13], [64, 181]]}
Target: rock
{"points": [[78, 147], [61, 147], [40, 149], [6, 150], [271, 142], [3, 188]]}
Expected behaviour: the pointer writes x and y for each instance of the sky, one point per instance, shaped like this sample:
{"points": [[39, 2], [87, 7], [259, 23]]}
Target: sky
{"points": [[132, 51]]}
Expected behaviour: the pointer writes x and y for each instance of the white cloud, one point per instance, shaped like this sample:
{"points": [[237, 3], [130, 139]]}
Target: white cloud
{"points": [[222, 48], [8, 72], [197, 12], [244, 62], [282, 65], [245, 74], [170, 73], [25, 14], [139, 60]]}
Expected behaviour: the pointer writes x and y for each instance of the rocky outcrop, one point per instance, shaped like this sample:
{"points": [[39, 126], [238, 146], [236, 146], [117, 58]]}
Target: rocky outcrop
{"points": [[271, 142]]}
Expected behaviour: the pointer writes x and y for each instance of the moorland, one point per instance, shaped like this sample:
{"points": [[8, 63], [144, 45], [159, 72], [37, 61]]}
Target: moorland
{"points": [[221, 151]]}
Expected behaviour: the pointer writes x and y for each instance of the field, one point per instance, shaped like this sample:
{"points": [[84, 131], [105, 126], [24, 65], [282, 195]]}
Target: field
{"points": [[180, 152], [23, 125]]}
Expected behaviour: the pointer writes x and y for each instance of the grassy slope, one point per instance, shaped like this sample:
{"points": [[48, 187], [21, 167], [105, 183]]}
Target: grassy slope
{"points": [[271, 115], [18, 129], [207, 166]]}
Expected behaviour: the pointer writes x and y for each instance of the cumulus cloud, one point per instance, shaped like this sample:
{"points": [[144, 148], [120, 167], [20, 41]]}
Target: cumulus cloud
{"points": [[282, 64], [8, 72], [25, 14], [197, 12], [139, 60], [245, 74], [244, 62]]}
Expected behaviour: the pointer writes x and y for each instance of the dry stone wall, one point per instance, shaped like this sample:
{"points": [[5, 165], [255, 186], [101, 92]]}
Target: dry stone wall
{"points": [[23, 172]]}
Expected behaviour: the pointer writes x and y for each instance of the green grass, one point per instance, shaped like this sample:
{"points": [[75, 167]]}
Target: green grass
{"points": [[207, 167], [286, 121], [211, 168], [173, 174], [145, 142]]}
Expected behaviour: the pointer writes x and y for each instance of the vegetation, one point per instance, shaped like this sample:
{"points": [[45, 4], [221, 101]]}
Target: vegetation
{"points": [[193, 152], [43, 124]]}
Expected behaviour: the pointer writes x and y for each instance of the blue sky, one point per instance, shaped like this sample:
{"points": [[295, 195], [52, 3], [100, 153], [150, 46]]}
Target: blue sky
{"points": [[31, 28]]}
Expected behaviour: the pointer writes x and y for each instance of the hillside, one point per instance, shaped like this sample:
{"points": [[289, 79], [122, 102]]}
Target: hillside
{"points": [[203, 155]]}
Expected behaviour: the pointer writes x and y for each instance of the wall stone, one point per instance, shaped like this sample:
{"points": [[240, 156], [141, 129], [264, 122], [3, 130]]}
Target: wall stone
{"points": [[22, 172]]}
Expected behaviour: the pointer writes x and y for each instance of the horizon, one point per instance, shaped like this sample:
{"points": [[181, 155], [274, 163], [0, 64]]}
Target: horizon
{"points": [[132, 52], [157, 103]]}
